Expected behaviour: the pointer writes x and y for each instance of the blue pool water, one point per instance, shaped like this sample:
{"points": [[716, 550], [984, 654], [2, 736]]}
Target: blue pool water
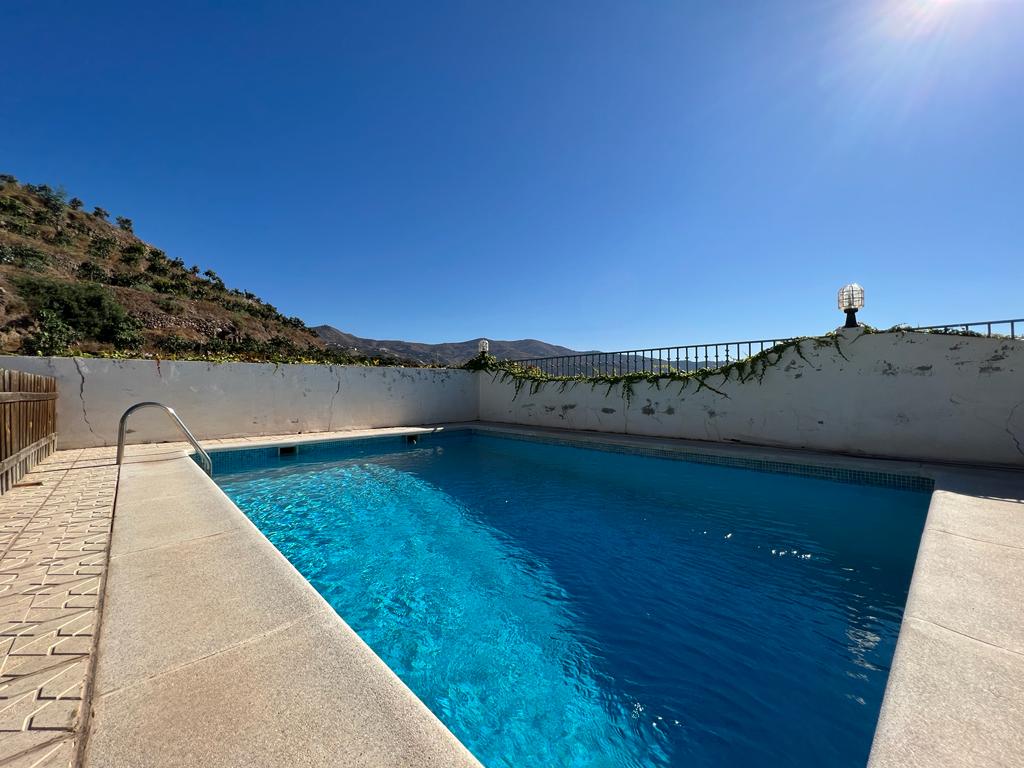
{"points": [[556, 606]]}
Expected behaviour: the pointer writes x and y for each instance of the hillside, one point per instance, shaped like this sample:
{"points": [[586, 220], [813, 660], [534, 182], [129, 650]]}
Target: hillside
{"points": [[70, 281], [454, 353]]}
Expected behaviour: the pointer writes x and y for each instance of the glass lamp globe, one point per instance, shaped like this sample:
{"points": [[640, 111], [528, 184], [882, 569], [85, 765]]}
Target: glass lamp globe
{"points": [[483, 347], [851, 298]]}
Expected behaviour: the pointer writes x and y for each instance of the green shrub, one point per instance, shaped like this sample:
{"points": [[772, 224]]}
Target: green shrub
{"points": [[157, 267], [123, 222], [80, 225], [60, 237], [14, 225], [132, 253], [24, 256], [89, 309], [178, 285], [128, 279], [173, 344], [53, 199], [170, 306], [52, 336], [128, 335], [102, 246], [215, 280], [277, 349], [93, 272], [157, 263], [100, 213], [11, 206], [75, 204]]}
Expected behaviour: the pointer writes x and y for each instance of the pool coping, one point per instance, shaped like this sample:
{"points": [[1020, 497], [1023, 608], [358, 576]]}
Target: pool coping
{"points": [[960, 652], [215, 651]]}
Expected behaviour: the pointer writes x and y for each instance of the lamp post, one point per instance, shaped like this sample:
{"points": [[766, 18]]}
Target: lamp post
{"points": [[851, 298], [483, 346]]}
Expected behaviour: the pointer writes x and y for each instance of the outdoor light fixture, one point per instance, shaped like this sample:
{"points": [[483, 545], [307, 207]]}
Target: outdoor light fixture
{"points": [[484, 346], [851, 298]]}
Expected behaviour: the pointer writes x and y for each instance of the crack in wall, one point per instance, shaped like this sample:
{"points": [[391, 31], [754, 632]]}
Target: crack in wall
{"points": [[330, 410], [81, 396], [1016, 442]]}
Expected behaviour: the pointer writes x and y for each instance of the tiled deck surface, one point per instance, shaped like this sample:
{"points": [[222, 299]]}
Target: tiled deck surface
{"points": [[54, 540]]}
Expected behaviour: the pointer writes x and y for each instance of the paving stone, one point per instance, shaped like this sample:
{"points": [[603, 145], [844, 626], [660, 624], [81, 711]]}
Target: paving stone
{"points": [[972, 587], [54, 754], [53, 551], [951, 701], [310, 693], [997, 517], [178, 515], [198, 597]]}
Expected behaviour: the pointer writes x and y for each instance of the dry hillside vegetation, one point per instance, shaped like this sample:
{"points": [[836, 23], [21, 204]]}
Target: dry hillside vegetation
{"points": [[72, 282]]}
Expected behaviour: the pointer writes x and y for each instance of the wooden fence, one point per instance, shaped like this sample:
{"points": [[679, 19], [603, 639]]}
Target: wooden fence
{"points": [[28, 415]]}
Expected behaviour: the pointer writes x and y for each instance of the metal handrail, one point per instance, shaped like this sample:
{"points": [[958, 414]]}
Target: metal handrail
{"points": [[122, 430]]}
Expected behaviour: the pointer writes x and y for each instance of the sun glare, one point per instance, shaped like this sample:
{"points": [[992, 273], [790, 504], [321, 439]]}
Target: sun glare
{"points": [[915, 18], [922, 18]]}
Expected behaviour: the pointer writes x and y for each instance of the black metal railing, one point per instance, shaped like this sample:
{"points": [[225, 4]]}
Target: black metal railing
{"points": [[1014, 329], [691, 357]]}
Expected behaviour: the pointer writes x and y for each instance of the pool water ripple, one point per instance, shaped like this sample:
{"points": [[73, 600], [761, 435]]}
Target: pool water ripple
{"points": [[563, 607]]}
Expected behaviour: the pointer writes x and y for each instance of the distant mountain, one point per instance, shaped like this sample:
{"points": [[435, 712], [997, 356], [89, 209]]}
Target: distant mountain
{"points": [[454, 353]]}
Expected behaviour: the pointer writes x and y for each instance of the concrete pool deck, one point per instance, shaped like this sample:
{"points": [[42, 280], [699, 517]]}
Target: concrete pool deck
{"points": [[214, 651]]}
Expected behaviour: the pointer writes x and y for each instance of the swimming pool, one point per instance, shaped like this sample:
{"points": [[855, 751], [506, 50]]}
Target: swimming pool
{"points": [[558, 606]]}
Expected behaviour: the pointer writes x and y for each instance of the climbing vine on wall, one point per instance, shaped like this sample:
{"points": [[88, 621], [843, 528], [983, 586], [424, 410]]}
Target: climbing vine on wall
{"points": [[750, 368]]}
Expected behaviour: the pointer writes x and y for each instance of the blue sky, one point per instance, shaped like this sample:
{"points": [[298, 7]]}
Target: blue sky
{"points": [[596, 174]]}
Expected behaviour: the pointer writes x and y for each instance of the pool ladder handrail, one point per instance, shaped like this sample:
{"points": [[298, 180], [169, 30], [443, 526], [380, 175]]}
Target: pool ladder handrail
{"points": [[122, 430]]}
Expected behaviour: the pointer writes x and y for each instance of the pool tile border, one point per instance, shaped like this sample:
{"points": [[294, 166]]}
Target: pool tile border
{"points": [[240, 459], [838, 474]]}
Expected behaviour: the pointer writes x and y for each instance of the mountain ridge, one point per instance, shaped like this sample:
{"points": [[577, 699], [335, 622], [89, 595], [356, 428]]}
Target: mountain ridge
{"points": [[446, 353]]}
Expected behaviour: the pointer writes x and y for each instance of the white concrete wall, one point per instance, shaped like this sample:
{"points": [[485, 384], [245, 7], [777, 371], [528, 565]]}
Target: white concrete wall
{"points": [[916, 396], [241, 399], [911, 395]]}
